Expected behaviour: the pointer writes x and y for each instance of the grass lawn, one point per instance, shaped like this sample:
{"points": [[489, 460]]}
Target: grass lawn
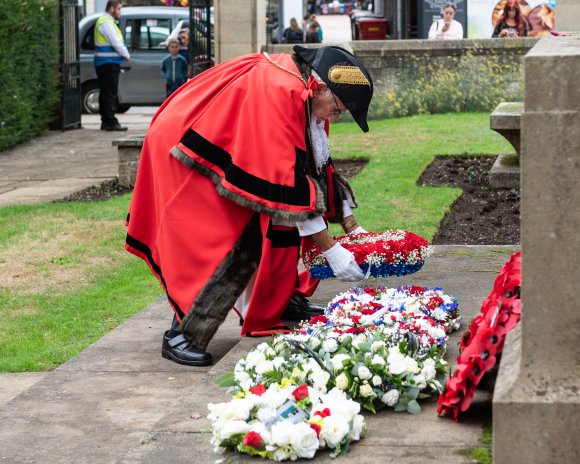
{"points": [[65, 279]]}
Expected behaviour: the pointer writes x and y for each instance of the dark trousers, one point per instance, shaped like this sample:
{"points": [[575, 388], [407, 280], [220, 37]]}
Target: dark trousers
{"points": [[171, 87], [108, 75]]}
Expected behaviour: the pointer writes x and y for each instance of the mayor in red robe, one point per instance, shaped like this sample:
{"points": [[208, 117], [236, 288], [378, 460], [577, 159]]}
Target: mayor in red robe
{"points": [[226, 172]]}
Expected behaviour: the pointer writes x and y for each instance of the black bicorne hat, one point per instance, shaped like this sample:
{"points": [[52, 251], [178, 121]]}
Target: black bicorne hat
{"points": [[345, 76]]}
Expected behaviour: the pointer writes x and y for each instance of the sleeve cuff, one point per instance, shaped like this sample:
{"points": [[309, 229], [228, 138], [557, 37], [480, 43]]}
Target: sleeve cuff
{"points": [[311, 226]]}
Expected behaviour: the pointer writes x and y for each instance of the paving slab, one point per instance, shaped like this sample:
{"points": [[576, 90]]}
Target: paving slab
{"points": [[45, 191], [12, 384], [59, 163], [120, 402]]}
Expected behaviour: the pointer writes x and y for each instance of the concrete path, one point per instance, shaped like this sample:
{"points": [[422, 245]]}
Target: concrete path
{"points": [[120, 402], [58, 163]]}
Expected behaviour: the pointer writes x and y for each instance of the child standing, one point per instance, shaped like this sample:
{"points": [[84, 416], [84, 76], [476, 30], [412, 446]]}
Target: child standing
{"points": [[173, 68]]}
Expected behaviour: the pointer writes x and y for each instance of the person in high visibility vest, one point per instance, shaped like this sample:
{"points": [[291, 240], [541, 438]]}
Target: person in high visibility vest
{"points": [[110, 52]]}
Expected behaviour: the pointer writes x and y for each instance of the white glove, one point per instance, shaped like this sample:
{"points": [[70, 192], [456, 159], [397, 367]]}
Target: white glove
{"points": [[342, 263], [358, 230]]}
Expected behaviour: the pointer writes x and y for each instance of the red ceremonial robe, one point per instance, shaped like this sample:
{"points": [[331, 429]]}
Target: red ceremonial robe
{"points": [[224, 155]]}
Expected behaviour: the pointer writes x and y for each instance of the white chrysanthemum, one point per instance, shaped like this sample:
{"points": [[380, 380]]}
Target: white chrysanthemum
{"points": [[329, 345], [391, 397]]}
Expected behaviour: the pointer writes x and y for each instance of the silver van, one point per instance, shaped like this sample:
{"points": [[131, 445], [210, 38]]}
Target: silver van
{"points": [[145, 30]]}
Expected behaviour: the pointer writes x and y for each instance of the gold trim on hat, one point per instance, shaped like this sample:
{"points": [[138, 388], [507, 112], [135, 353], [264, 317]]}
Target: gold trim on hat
{"points": [[347, 75]]}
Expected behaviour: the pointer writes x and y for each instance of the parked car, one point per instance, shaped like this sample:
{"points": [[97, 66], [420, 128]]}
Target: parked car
{"points": [[145, 31]]}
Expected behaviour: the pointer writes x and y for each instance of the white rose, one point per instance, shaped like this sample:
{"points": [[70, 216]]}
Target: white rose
{"points": [[266, 415], [377, 380], [419, 381], [337, 361], [320, 379], [304, 440], [411, 365], [334, 429], [396, 363], [314, 342], [364, 373], [358, 427], [342, 381], [378, 360], [340, 404], [365, 390], [329, 345], [264, 366], [234, 427], [232, 410], [428, 372], [281, 433], [391, 397], [429, 362]]}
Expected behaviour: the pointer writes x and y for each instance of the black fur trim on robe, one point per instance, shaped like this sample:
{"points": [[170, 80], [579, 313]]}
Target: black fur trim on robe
{"points": [[217, 297]]}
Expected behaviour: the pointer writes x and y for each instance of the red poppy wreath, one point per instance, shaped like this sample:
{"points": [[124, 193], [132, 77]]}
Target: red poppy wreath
{"points": [[484, 340]]}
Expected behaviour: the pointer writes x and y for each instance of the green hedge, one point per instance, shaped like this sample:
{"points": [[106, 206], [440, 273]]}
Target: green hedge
{"points": [[466, 83], [28, 68]]}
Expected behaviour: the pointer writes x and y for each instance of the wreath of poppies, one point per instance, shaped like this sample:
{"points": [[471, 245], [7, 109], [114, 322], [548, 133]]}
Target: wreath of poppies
{"points": [[484, 340], [390, 253]]}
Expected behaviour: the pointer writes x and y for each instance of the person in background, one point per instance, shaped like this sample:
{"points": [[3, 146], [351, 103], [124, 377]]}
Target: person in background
{"points": [[511, 23], [110, 52], [292, 34], [446, 28], [314, 34], [184, 43], [305, 26], [173, 68]]}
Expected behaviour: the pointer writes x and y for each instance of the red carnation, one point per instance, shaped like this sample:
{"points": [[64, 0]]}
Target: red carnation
{"points": [[324, 413], [254, 439], [258, 389], [301, 392], [316, 428], [315, 319]]}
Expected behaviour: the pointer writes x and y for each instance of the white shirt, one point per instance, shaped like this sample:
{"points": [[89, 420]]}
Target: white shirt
{"points": [[455, 30]]}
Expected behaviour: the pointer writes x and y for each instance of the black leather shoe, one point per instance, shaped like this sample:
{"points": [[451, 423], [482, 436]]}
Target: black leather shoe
{"points": [[300, 309], [116, 127], [182, 351]]}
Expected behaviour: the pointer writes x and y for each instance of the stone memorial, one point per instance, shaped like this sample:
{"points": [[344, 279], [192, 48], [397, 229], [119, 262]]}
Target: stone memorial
{"points": [[536, 402]]}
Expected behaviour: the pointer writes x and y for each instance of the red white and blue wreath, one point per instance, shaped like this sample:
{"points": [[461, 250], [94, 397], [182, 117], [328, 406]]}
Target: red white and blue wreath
{"points": [[390, 253]]}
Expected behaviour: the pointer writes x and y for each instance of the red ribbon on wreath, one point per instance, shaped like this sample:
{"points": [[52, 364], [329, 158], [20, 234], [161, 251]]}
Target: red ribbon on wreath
{"points": [[484, 340]]}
